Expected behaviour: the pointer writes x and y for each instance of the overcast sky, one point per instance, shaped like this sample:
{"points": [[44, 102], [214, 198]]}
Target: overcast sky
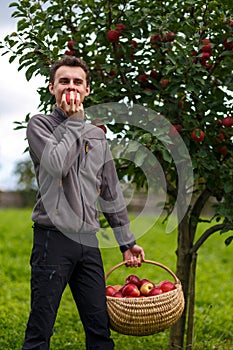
{"points": [[17, 98]]}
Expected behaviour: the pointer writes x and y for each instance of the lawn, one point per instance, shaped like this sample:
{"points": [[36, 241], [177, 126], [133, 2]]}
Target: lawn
{"points": [[214, 300]]}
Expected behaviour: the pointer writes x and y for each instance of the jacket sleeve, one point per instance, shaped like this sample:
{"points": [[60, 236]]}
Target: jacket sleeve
{"points": [[113, 205], [56, 150]]}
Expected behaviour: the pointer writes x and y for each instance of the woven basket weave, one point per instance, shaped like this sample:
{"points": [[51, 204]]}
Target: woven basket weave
{"points": [[149, 315]]}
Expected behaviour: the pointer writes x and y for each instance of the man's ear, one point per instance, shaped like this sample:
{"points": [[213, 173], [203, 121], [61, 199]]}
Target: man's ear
{"points": [[51, 88], [87, 90]]}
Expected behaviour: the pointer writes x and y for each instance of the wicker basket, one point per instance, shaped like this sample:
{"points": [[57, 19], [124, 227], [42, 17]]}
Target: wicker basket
{"points": [[149, 315]]}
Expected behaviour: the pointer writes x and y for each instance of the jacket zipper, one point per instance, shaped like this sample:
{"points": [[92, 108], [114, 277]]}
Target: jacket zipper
{"points": [[81, 195]]}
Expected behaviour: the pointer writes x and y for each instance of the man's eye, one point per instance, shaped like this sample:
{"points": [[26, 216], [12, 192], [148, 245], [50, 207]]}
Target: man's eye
{"points": [[78, 82], [64, 81]]}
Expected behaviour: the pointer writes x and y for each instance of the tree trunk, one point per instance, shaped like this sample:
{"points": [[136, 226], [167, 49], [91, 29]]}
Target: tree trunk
{"points": [[191, 305], [177, 331]]}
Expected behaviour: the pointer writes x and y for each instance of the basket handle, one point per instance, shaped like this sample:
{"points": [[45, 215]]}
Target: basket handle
{"points": [[147, 262]]}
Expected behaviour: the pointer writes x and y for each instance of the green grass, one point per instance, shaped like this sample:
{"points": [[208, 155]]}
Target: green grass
{"points": [[214, 307]]}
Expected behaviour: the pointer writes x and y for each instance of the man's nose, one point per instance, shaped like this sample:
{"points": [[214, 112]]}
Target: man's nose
{"points": [[71, 86]]}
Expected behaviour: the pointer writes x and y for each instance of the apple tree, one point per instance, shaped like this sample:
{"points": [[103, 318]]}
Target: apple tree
{"points": [[174, 58]]}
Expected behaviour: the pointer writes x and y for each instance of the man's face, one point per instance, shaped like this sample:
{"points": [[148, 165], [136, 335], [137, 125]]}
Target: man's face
{"points": [[69, 79]]}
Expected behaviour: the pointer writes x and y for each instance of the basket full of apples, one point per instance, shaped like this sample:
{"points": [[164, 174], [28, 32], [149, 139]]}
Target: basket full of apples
{"points": [[140, 307]]}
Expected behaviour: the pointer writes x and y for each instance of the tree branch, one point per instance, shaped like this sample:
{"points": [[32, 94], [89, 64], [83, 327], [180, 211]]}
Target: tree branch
{"points": [[206, 235]]}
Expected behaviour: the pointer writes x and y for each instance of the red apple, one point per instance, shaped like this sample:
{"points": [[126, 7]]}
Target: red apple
{"points": [[146, 288], [68, 98], [170, 36], [117, 294], [205, 41], [206, 48], [223, 150], [227, 121], [155, 291], [70, 44], [166, 286], [142, 78], [144, 280], [154, 74], [69, 53], [164, 83], [103, 127], [133, 279], [134, 44], [110, 290], [175, 130], [113, 35], [228, 44], [198, 135], [156, 39], [130, 289], [120, 26], [117, 287], [97, 122], [205, 56]]}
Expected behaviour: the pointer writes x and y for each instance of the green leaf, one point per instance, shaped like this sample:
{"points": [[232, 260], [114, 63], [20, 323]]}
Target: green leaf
{"points": [[228, 187], [133, 146], [229, 240], [140, 156]]}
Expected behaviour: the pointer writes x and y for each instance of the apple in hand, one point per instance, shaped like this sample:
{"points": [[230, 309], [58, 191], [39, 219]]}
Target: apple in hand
{"points": [[166, 286], [133, 279], [68, 98], [146, 288], [110, 290], [130, 289], [155, 291]]}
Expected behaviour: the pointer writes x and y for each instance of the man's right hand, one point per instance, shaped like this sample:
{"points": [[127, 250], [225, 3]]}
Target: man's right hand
{"points": [[72, 110]]}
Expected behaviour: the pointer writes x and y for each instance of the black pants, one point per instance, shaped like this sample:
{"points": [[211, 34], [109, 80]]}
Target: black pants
{"points": [[57, 261]]}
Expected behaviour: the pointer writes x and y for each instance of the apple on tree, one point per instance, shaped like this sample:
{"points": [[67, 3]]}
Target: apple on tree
{"points": [[71, 44], [198, 135], [120, 26], [97, 122], [227, 121], [113, 35]]}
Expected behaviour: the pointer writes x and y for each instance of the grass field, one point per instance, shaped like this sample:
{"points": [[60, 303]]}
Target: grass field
{"points": [[214, 299]]}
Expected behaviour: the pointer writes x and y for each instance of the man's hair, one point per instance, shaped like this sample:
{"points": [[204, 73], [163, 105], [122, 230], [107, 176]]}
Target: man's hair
{"points": [[70, 61]]}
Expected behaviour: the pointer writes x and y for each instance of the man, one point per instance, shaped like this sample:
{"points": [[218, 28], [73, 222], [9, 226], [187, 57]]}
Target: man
{"points": [[74, 171]]}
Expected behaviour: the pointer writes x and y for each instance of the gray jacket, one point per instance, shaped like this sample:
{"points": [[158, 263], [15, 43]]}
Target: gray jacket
{"points": [[76, 175]]}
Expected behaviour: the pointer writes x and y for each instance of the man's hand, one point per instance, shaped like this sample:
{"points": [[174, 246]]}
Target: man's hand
{"points": [[74, 109], [131, 256]]}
